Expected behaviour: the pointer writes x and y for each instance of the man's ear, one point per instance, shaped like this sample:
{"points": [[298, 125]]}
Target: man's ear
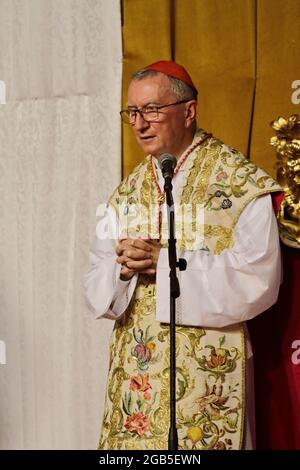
{"points": [[191, 112]]}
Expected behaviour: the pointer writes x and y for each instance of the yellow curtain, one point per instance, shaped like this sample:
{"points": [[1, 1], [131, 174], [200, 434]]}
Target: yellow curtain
{"points": [[278, 66], [242, 55], [146, 37], [215, 40]]}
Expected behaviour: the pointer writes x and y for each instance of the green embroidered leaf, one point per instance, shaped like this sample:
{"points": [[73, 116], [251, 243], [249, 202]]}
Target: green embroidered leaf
{"points": [[127, 402], [252, 181], [232, 420], [232, 388], [135, 336], [142, 335], [151, 338], [139, 339], [147, 338], [198, 420], [154, 398], [222, 340], [143, 365], [222, 186]]}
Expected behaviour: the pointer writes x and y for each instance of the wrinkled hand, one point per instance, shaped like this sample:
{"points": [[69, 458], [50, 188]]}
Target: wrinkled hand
{"points": [[137, 255]]}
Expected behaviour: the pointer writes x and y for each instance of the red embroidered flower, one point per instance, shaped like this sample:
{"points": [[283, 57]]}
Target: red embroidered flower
{"points": [[141, 383], [137, 422], [222, 176], [142, 353], [218, 358]]}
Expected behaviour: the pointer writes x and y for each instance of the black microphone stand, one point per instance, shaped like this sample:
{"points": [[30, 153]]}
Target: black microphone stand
{"points": [[174, 294]]}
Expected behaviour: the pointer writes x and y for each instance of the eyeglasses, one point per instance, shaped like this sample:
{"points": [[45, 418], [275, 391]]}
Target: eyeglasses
{"points": [[148, 113]]}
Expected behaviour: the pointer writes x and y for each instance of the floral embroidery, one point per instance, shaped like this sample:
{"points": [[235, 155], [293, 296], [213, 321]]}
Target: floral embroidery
{"points": [[212, 401], [213, 418], [218, 408], [209, 402], [137, 423], [222, 176], [138, 402], [220, 360], [226, 204], [235, 182], [138, 397], [143, 351], [141, 384]]}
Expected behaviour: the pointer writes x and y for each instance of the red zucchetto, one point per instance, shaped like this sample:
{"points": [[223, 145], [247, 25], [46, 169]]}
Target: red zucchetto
{"points": [[170, 68]]}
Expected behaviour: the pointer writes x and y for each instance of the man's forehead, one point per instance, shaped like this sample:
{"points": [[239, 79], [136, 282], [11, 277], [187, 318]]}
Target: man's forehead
{"points": [[151, 89]]}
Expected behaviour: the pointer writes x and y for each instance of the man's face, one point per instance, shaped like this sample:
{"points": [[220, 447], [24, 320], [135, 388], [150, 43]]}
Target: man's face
{"points": [[170, 132]]}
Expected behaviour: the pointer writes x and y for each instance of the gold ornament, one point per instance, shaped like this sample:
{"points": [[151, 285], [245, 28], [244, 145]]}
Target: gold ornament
{"points": [[287, 145]]}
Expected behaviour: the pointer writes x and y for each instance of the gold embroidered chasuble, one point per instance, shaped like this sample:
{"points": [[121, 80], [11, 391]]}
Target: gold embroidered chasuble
{"points": [[210, 364]]}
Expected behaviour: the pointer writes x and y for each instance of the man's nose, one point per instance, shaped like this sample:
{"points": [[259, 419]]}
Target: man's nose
{"points": [[140, 122]]}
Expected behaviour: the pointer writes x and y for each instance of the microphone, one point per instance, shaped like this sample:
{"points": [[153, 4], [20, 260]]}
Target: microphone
{"points": [[167, 163]]}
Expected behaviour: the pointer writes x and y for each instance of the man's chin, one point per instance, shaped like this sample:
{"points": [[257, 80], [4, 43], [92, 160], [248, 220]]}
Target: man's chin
{"points": [[149, 148]]}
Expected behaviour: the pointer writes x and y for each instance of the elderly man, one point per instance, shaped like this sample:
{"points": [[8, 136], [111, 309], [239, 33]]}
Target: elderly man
{"points": [[227, 232]]}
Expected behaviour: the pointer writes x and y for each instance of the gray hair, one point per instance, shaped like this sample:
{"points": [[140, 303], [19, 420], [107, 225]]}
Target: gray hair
{"points": [[180, 89]]}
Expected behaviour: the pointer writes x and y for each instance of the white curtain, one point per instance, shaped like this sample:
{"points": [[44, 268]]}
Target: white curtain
{"points": [[61, 61]]}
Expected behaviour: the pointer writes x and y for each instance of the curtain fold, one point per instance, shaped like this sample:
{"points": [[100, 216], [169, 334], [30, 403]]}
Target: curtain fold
{"points": [[146, 39], [216, 42], [278, 66], [54, 48]]}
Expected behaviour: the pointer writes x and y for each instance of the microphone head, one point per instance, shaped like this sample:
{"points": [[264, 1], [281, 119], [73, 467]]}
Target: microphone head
{"points": [[167, 163]]}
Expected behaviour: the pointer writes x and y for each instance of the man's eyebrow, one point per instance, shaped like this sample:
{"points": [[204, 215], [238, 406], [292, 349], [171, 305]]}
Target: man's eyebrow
{"points": [[151, 103]]}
